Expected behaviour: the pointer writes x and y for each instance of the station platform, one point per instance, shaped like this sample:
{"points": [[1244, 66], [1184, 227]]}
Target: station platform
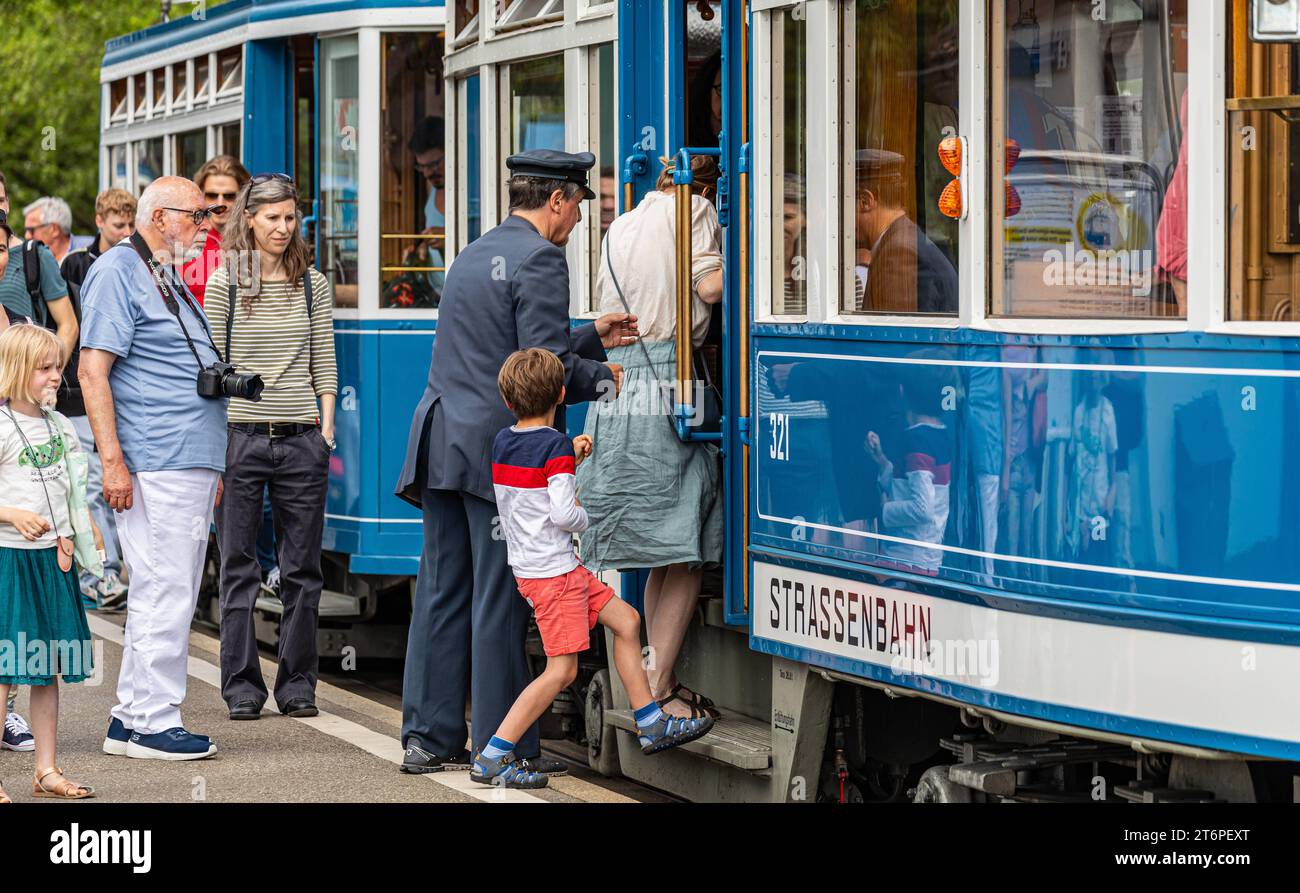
{"points": [[347, 754]]}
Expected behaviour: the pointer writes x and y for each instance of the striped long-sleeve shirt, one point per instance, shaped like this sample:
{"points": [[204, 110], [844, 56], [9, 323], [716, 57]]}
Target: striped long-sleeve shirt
{"points": [[272, 341], [532, 475]]}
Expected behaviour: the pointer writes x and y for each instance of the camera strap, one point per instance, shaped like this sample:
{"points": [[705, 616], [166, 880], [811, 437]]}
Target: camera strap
{"points": [[169, 297]]}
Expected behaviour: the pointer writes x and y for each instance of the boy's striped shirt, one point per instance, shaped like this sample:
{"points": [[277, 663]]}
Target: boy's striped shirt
{"points": [[532, 474]]}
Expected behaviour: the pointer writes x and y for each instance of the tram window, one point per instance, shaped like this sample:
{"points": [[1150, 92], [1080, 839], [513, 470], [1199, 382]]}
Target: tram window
{"points": [[605, 184], [158, 91], [789, 163], [228, 142], [141, 96], [533, 108], [703, 112], [1263, 184], [1090, 218], [148, 162], [413, 197], [201, 72], [117, 166], [338, 167], [523, 13], [190, 151], [117, 100], [904, 255], [230, 72], [469, 147], [467, 19], [179, 84]]}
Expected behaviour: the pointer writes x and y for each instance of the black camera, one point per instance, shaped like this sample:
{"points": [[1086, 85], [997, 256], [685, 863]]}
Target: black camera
{"points": [[221, 380]]}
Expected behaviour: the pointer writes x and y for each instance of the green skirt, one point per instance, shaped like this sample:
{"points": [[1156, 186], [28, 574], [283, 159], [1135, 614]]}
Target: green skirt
{"points": [[652, 499], [43, 629]]}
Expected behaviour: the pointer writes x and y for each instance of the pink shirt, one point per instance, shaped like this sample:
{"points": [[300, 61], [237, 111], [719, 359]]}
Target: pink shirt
{"points": [[196, 273], [1171, 231]]}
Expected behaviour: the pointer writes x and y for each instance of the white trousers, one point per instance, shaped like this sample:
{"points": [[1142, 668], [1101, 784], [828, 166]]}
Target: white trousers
{"points": [[164, 538], [989, 494]]}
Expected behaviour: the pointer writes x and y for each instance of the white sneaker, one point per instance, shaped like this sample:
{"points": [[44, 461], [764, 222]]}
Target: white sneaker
{"points": [[112, 594], [17, 734], [271, 585]]}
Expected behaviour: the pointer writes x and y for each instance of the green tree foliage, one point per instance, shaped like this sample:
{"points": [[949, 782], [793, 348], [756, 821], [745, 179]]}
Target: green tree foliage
{"points": [[50, 52]]}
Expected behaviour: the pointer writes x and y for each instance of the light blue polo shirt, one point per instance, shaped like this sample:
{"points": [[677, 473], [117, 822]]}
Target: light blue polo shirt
{"points": [[162, 422]]}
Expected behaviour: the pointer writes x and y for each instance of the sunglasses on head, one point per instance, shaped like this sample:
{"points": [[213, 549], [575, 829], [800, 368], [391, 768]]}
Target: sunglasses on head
{"points": [[199, 214], [267, 178]]}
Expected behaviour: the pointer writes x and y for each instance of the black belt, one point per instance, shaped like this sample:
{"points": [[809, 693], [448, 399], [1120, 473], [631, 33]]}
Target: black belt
{"points": [[272, 429]]}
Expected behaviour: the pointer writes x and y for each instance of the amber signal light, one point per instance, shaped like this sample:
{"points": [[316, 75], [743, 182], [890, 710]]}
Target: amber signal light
{"points": [[1012, 207], [952, 201]]}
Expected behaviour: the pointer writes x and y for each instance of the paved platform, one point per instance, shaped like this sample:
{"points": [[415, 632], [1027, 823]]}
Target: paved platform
{"points": [[349, 753]]}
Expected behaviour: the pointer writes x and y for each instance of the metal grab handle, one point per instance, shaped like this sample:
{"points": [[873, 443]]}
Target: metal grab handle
{"points": [[635, 165], [682, 179]]}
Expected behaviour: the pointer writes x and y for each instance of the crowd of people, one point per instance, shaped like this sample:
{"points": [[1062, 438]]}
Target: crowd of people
{"points": [[182, 355]]}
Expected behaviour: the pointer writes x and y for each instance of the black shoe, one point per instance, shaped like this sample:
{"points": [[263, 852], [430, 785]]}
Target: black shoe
{"points": [[299, 707], [245, 710], [418, 761], [546, 766]]}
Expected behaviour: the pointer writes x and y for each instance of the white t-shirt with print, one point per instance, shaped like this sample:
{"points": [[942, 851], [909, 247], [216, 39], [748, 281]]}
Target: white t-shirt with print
{"points": [[20, 476]]}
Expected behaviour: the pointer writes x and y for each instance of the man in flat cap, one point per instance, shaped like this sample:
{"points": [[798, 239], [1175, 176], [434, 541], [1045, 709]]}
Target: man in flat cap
{"points": [[506, 291], [907, 273]]}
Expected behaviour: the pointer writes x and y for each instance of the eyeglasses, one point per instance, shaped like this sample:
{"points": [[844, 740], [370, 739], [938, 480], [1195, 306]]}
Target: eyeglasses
{"points": [[28, 230], [429, 165], [199, 214], [266, 178], [228, 197]]}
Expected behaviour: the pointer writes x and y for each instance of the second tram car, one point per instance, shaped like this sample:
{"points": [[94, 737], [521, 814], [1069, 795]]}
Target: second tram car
{"points": [[1008, 353]]}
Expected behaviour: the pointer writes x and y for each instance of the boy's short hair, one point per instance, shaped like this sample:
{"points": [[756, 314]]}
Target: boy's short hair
{"points": [[115, 201], [530, 382], [22, 348]]}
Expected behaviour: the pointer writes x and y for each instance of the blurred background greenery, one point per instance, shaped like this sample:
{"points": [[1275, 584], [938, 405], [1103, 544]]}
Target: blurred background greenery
{"points": [[50, 52]]}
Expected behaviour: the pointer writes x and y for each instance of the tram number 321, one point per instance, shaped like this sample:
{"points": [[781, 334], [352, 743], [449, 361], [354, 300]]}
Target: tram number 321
{"points": [[780, 449]]}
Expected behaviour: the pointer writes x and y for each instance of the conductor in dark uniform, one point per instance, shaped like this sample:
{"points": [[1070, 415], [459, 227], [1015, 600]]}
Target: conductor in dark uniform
{"points": [[506, 291]]}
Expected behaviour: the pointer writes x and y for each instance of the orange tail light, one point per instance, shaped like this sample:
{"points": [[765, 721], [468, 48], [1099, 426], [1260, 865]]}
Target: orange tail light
{"points": [[1013, 201], [1013, 153], [950, 200], [950, 155]]}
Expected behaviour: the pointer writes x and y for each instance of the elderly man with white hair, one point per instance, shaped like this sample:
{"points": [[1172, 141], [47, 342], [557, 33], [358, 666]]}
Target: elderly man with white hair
{"points": [[163, 447], [49, 219]]}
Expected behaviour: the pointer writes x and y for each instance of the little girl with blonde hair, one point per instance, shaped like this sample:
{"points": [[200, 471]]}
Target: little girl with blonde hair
{"points": [[43, 629]]}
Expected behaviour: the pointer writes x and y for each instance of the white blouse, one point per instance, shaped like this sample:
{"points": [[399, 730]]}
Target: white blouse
{"points": [[642, 248]]}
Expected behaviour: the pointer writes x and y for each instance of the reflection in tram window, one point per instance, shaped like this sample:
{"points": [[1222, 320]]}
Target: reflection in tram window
{"points": [[601, 102], [228, 140], [413, 200], [533, 100], [148, 162], [789, 163], [905, 62], [1264, 186], [338, 167], [1093, 198], [117, 166], [468, 145]]}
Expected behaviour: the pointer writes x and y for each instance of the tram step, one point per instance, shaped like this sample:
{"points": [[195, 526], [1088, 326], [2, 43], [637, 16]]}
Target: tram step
{"points": [[740, 741], [332, 605]]}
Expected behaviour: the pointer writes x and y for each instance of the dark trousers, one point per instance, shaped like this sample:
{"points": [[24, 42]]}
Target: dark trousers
{"points": [[468, 621], [296, 470]]}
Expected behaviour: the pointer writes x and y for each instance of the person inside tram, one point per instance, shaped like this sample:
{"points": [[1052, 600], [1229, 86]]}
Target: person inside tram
{"points": [[1023, 424], [908, 274], [221, 178], [637, 521], [427, 145], [274, 320], [914, 498], [705, 103], [1093, 444], [1171, 230]]}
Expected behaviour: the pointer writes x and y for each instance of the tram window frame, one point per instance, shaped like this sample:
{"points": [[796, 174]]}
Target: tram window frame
{"points": [[465, 30]]}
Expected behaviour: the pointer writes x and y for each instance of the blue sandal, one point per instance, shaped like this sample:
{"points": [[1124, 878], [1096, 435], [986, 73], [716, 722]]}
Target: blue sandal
{"points": [[506, 772], [672, 731]]}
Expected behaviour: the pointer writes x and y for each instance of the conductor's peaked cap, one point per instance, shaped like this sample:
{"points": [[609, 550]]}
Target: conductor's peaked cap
{"points": [[554, 165]]}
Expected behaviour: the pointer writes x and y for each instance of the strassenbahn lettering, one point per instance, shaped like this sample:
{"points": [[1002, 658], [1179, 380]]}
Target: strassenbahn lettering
{"points": [[885, 624]]}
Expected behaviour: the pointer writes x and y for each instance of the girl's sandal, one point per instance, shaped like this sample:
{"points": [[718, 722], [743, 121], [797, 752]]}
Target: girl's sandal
{"points": [[60, 790]]}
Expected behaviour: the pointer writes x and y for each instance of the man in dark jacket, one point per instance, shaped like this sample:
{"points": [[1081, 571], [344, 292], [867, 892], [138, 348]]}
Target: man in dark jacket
{"points": [[507, 290]]}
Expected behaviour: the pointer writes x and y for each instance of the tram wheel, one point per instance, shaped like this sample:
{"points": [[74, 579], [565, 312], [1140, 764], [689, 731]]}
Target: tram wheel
{"points": [[602, 743]]}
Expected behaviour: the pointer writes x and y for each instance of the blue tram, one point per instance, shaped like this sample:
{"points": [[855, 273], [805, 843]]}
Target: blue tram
{"points": [[1008, 353]]}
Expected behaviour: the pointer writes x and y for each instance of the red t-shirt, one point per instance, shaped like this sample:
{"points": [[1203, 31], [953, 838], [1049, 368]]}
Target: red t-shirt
{"points": [[196, 272]]}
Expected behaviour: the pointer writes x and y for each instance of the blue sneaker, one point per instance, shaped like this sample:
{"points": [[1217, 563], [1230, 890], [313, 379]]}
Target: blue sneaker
{"points": [[671, 731], [173, 744], [116, 738], [507, 772], [17, 735]]}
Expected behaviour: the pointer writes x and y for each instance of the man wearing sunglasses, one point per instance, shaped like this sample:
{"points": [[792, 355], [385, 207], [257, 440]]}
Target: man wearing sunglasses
{"points": [[163, 448], [221, 178]]}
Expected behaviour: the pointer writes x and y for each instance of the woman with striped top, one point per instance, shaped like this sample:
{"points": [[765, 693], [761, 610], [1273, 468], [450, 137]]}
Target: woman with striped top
{"points": [[272, 314]]}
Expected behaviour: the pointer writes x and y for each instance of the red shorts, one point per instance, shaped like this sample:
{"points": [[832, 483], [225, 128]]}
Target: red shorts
{"points": [[566, 607]]}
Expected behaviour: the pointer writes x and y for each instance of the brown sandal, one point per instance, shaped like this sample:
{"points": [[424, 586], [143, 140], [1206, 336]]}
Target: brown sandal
{"points": [[64, 790]]}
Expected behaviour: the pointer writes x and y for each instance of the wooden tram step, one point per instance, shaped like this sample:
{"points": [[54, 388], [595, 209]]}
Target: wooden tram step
{"points": [[737, 740], [332, 605]]}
